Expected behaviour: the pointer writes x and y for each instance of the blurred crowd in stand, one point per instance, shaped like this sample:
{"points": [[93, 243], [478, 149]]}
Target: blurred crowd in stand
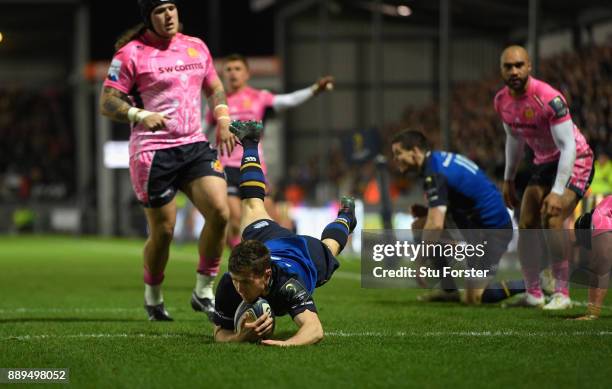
{"points": [[37, 148], [584, 77]]}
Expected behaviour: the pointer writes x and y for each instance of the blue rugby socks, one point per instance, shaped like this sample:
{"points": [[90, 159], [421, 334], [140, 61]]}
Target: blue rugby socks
{"points": [[340, 229], [252, 179]]}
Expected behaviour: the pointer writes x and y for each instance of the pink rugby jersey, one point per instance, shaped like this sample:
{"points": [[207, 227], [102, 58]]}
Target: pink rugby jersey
{"points": [[602, 217], [245, 104], [531, 116], [164, 77]]}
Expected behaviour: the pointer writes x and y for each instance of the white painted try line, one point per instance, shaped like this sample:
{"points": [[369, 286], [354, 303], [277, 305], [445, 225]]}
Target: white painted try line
{"points": [[331, 334]]}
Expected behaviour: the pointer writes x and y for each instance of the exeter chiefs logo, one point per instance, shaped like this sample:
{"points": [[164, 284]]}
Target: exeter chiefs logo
{"points": [[216, 165], [193, 53]]}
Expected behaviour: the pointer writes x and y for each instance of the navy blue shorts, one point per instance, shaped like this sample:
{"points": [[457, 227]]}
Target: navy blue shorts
{"points": [[580, 180], [174, 167], [232, 175], [326, 263]]}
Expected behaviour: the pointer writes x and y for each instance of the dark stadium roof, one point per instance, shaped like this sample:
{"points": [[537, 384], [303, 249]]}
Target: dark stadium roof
{"points": [[498, 17], [39, 28], [35, 28]]}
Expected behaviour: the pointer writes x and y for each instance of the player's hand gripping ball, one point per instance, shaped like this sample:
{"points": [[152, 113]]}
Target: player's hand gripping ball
{"points": [[248, 313]]}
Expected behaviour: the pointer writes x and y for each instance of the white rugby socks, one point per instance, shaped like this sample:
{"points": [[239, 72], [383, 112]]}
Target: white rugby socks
{"points": [[204, 286], [153, 294]]}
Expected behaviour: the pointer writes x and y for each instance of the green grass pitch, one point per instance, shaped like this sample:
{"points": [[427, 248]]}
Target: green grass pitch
{"points": [[77, 303]]}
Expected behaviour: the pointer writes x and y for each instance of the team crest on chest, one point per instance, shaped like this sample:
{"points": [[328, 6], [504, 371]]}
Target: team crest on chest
{"points": [[193, 53], [529, 113], [247, 103]]}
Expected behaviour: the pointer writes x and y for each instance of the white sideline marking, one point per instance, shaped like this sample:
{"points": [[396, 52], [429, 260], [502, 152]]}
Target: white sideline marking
{"points": [[90, 336], [70, 310], [174, 309], [338, 334], [342, 334]]}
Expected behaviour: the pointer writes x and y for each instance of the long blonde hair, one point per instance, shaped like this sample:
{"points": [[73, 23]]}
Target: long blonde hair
{"points": [[134, 33], [130, 35]]}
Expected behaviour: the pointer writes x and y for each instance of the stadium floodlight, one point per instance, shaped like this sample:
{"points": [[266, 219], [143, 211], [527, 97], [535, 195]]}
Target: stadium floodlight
{"points": [[404, 10], [260, 5], [386, 9], [1, 37]]}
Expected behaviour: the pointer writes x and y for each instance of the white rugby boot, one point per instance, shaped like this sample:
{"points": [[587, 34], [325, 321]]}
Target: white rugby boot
{"points": [[558, 302]]}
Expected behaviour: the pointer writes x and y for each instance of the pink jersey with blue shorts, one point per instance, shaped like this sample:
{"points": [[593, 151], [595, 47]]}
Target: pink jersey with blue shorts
{"points": [[531, 116], [602, 217], [246, 104], [164, 77]]}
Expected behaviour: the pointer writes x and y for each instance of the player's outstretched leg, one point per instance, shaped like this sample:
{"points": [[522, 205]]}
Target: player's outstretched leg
{"points": [[252, 180], [335, 235]]}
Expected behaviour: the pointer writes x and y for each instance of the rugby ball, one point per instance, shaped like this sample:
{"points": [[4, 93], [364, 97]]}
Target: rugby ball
{"points": [[247, 313]]}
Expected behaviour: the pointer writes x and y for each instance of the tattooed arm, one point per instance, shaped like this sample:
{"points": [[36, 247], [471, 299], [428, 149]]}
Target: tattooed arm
{"points": [[115, 105], [218, 105]]}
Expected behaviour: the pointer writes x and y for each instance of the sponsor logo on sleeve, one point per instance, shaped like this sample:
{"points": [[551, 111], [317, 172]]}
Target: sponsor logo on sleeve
{"points": [[114, 70], [294, 292], [558, 106], [431, 188]]}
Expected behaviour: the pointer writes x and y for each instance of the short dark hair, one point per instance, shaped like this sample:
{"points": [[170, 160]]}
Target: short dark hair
{"points": [[410, 139], [236, 57], [250, 255]]}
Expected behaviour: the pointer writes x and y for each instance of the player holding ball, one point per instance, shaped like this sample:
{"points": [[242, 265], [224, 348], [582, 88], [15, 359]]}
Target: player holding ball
{"points": [[273, 262]]}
